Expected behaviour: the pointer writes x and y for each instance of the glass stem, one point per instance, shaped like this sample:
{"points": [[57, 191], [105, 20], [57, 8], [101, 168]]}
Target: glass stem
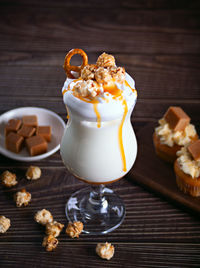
{"points": [[97, 199]]}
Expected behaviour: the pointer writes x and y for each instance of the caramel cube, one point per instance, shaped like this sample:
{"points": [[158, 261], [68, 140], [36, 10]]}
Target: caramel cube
{"points": [[194, 149], [14, 142], [45, 132], [30, 120], [12, 126], [26, 131], [36, 145], [176, 118]]}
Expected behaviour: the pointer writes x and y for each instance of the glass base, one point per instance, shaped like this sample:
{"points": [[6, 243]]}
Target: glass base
{"points": [[98, 208]]}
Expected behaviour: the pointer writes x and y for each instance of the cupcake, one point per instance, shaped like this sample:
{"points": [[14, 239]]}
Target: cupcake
{"points": [[174, 132], [187, 169]]}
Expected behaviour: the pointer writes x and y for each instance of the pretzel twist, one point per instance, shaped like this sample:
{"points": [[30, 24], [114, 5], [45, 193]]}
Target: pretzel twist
{"points": [[68, 67]]}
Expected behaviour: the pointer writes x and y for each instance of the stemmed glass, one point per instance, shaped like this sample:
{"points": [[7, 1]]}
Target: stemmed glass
{"points": [[92, 154]]}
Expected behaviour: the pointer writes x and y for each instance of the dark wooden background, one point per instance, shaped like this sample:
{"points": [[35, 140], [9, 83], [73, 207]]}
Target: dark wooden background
{"points": [[158, 42]]}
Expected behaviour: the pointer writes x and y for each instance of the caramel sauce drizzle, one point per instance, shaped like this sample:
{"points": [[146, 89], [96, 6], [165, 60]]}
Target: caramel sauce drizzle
{"points": [[121, 146], [133, 89], [116, 94], [97, 114]]}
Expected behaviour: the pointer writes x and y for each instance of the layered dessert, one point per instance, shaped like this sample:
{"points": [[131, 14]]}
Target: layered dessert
{"points": [[174, 132], [187, 169], [99, 143]]}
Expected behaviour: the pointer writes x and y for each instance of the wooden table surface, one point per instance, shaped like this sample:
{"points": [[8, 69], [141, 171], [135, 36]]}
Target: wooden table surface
{"points": [[158, 42]]}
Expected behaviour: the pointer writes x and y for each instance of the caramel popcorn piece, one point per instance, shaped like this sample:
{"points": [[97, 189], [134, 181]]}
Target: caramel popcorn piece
{"points": [[87, 88], [54, 228], [8, 179], [33, 173], [102, 75], [22, 198], [105, 60], [43, 217], [117, 73], [4, 224], [105, 250], [88, 72], [50, 242], [74, 229]]}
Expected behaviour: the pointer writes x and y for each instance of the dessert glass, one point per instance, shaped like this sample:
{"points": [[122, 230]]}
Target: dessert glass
{"points": [[98, 147]]}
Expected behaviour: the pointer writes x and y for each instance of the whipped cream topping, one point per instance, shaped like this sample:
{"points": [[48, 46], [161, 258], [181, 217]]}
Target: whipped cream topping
{"points": [[102, 92], [110, 106], [170, 137], [187, 164]]}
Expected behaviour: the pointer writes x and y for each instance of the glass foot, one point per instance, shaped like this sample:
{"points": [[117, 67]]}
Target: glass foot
{"points": [[98, 208]]}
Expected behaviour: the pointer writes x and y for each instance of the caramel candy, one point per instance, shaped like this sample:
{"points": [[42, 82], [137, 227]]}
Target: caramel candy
{"points": [[12, 126], [36, 145], [194, 149], [30, 120], [45, 132], [14, 142], [26, 131], [176, 118]]}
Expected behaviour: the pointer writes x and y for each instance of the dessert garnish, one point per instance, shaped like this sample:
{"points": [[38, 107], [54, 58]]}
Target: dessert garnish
{"points": [[194, 149], [98, 84], [187, 168], [74, 229], [69, 68], [33, 173], [50, 242], [54, 228], [105, 250], [176, 118], [22, 198], [8, 179], [4, 224], [173, 132]]}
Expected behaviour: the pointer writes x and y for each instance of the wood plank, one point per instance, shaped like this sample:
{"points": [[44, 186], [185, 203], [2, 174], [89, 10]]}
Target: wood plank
{"points": [[153, 4], [153, 219], [154, 109], [43, 29], [138, 255], [157, 83]]}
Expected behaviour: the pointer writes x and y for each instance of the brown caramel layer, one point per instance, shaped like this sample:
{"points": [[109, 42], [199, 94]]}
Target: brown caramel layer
{"points": [[95, 183]]}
